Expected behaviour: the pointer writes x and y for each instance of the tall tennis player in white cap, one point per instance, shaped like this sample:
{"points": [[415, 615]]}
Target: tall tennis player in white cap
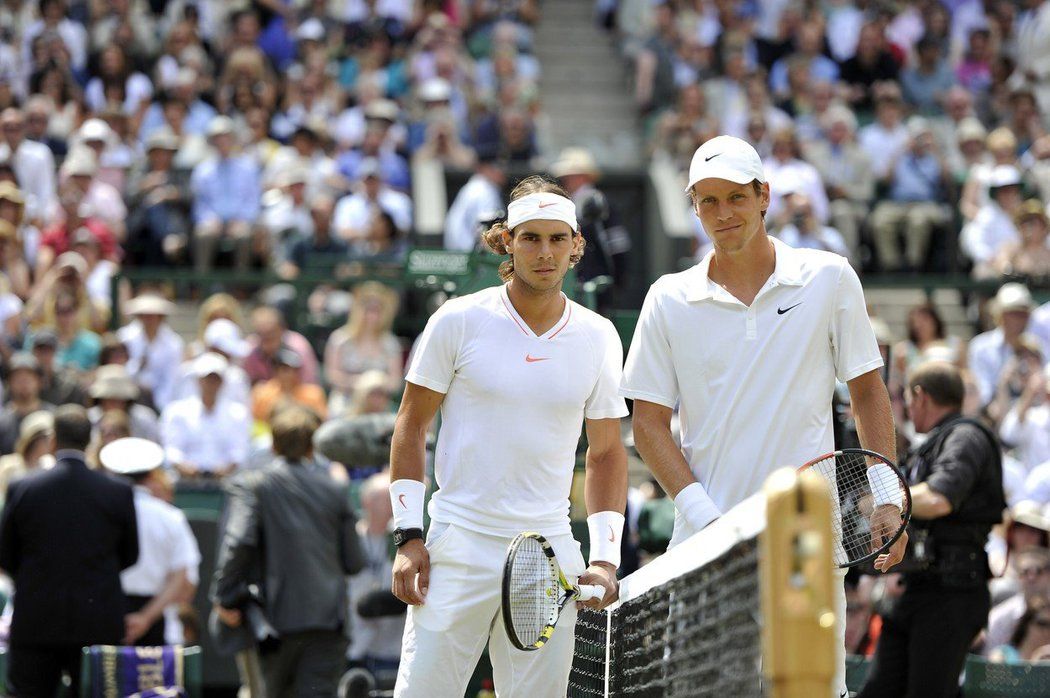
{"points": [[748, 344], [517, 371]]}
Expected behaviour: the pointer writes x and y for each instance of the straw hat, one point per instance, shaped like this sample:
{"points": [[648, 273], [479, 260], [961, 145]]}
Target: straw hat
{"points": [[113, 382], [150, 304], [575, 161], [34, 425]]}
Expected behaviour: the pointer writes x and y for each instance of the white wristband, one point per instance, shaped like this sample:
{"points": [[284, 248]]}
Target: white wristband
{"points": [[406, 499], [885, 485], [606, 529], [696, 506]]}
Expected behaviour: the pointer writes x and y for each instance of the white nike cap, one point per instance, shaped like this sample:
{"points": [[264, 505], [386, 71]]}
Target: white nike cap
{"points": [[726, 157]]}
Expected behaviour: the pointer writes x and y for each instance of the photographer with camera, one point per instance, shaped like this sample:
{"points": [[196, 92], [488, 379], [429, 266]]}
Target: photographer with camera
{"points": [[805, 231], [957, 496]]}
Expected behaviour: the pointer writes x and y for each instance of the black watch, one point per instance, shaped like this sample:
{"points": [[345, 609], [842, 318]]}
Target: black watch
{"points": [[403, 535]]}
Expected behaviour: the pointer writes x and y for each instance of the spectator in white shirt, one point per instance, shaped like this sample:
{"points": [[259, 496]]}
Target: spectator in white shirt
{"points": [[482, 194], [353, 213], [155, 350], [203, 436], [786, 173], [887, 137], [222, 337], [990, 350], [983, 238], [1026, 426], [166, 572], [33, 163], [804, 230]]}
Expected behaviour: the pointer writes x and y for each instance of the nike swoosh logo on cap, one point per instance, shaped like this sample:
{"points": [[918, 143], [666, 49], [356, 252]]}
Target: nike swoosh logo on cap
{"points": [[712, 157]]}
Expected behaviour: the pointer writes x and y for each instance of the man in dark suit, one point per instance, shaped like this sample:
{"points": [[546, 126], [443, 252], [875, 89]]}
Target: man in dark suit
{"points": [[292, 522], [65, 536]]}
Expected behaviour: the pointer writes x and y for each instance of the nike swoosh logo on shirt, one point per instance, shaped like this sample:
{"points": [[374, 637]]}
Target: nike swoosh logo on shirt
{"points": [[533, 359], [401, 498], [712, 157], [781, 311]]}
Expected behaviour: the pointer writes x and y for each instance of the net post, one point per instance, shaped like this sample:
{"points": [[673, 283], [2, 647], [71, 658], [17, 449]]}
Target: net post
{"points": [[798, 630]]}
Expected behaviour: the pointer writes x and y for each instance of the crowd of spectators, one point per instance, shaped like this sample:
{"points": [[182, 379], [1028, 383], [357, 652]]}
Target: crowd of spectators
{"points": [[910, 136]]}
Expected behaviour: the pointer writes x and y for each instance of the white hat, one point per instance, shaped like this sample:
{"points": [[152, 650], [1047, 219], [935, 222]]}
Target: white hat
{"points": [[220, 126], [225, 335], [150, 304], [95, 130], [1014, 296], [81, 162], [1004, 176], [435, 90], [131, 456], [970, 129], [726, 157], [209, 363], [310, 30]]}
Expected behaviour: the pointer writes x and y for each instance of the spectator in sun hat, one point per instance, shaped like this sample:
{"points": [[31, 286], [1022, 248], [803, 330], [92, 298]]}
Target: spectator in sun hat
{"points": [[22, 390], [983, 238], [154, 349], [990, 351], [34, 449], [203, 436], [166, 573], [159, 203], [223, 337], [114, 389]]}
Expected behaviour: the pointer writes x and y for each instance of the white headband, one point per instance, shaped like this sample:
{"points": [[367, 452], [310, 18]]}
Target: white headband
{"points": [[541, 206]]}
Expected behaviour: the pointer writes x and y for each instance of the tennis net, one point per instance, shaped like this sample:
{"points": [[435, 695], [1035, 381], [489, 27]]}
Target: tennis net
{"points": [[687, 624]]}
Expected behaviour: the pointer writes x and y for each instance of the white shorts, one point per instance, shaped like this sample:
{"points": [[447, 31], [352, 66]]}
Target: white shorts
{"points": [[445, 637]]}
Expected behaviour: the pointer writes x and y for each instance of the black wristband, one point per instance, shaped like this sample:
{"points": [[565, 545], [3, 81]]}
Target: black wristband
{"points": [[403, 535]]}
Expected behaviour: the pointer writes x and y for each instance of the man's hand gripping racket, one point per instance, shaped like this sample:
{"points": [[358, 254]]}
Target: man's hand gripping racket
{"points": [[870, 505]]}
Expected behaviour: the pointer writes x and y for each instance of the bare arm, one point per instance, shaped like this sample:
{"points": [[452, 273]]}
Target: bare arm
{"points": [[927, 503], [407, 446], [652, 438], [408, 462], [174, 590], [605, 488], [871, 409]]}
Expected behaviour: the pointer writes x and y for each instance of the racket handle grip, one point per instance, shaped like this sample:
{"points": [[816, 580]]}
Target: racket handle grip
{"points": [[590, 591]]}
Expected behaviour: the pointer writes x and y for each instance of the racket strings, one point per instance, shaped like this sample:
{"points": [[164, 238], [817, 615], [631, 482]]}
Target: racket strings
{"points": [[856, 492], [533, 591]]}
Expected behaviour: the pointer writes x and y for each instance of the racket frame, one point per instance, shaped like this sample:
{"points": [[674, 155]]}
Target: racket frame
{"points": [[569, 591], [905, 502]]}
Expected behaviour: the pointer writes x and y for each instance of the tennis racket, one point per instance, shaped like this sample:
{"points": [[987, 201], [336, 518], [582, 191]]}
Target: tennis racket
{"points": [[861, 482], [535, 591]]}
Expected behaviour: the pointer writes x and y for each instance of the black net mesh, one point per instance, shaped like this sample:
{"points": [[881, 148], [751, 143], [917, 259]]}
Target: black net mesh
{"points": [[697, 635]]}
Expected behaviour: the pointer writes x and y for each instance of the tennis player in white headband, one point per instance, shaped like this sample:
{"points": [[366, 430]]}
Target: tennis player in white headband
{"points": [[516, 371]]}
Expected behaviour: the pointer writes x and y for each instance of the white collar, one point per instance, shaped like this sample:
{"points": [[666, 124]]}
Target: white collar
{"points": [[786, 272]]}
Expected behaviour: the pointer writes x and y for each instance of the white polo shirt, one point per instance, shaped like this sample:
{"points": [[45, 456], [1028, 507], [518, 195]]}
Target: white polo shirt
{"points": [[514, 408], [753, 384], [166, 545]]}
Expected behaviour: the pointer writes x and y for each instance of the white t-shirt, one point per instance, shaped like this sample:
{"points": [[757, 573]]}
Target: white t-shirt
{"points": [[514, 408], [753, 384]]}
